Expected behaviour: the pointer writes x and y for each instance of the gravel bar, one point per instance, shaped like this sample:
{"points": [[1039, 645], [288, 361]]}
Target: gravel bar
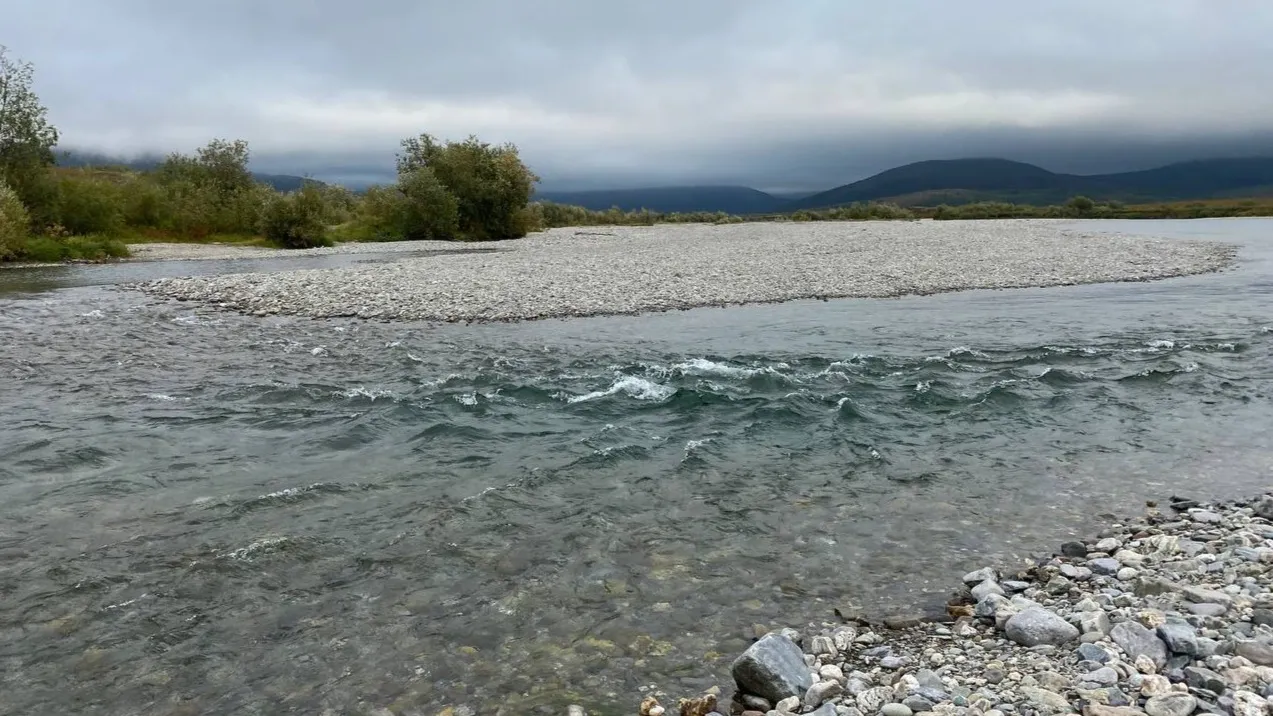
{"points": [[629, 270], [1167, 614]]}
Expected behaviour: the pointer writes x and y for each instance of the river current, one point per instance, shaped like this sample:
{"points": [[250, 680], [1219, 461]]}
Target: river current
{"points": [[208, 513]]}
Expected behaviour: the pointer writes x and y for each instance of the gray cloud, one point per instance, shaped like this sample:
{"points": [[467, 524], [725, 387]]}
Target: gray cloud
{"points": [[770, 93]]}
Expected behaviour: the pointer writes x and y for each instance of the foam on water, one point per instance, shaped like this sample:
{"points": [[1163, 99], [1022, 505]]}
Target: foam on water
{"points": [[632, 386]]}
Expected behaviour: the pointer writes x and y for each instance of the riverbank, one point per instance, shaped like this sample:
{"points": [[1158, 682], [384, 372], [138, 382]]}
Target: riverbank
{"points": [[628, 270], [1168, 614]]}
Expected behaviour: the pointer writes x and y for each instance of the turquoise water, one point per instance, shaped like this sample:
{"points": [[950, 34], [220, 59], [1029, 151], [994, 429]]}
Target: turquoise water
{"points": [[225, 514]]}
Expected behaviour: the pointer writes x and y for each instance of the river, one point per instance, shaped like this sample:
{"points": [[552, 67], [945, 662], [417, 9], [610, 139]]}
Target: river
{"points": [[208, 513]]}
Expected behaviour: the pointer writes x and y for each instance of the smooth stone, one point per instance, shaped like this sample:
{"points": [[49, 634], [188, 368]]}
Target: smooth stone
{"points": [[980, 576], [1257, 651], [1135, 640], [985, 588], [918, 704], [1092, 652], [1246, 703], [788, 705], [1180, 638], [1173, 704], [831, 672], [1205, 517], [1201, 595], [1154, 685], [1104, 676], [1109, 545], [1052, 681], [1207, 610], [1105, 566], [1036, 626], [822, 692], [774, 668], [825, 710], [894, 662], [986, 608], [1013, 585], [1202, 678], [756, 703], [1094, 623], [1127, 574], [900, 622], [1094, 709], [1074, 550], [1047, 702], [1262, 616], [896, 710]]}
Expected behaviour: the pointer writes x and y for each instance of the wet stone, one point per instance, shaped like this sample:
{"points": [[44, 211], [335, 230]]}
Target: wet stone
{"points": [[774, 668], [1074, 549]]}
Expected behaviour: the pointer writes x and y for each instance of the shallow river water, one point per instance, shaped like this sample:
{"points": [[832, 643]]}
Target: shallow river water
{"points": [[206, 513]]}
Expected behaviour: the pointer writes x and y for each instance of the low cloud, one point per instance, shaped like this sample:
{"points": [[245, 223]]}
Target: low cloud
{"points": [[750, 91]]}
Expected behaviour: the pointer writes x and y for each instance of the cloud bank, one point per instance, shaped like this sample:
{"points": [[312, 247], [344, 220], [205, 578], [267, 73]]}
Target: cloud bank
{"points": [[773, 94]]}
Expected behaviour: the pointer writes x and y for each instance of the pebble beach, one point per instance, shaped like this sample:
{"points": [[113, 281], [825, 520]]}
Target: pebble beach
{"points": [[1168, 614], [629, 270]]}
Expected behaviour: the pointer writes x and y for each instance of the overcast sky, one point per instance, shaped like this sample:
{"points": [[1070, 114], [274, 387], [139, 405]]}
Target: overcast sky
{"points": [[790, 94]]}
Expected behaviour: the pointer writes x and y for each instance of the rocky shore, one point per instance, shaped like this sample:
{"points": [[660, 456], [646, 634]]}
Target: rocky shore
{"points": [[628, 270], [1169, 614]]}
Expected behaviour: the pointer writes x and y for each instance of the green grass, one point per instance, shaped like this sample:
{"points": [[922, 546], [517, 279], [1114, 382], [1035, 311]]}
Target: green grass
{"points": [[45, 249]]}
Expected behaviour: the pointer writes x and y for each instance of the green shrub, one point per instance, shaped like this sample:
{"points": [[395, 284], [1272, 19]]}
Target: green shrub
{"points": [[15, 224], [380, 216], [90, 206], [94, 248], [429, 210], [45, 249], [146, 204], [296, 220], [490, 184]]}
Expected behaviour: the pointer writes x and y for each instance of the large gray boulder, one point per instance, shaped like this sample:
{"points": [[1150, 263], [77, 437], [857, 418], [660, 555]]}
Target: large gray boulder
{"points": [[1135, 640], [1036, 626], [773, 668]]}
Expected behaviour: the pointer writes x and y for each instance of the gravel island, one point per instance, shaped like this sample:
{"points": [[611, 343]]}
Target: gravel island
{"points": [[628, 270]]}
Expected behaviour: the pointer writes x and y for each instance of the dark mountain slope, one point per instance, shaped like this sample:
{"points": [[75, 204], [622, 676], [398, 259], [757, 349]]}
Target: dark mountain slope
{"points": [[976, 175], [965, 180], [1200, 179]]}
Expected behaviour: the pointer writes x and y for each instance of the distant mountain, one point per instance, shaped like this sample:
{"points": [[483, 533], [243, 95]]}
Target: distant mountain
{"points": [[683, 199], [961, 181], [77, 158]]}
